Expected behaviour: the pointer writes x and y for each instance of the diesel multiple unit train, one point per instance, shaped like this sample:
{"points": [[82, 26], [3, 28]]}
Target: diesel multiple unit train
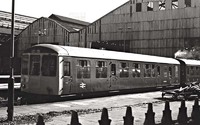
{"points": [[54, 70]]}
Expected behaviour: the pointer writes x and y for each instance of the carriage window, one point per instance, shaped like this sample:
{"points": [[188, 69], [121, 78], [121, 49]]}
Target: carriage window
{"points": [[191, 70], [165, 71], [153, 71], [35, 65], [176, 71], [49, 65], [188, 70], [196, 70], [158, 70], [136, 70], [25, 65], [147, 70], [66, 68], [124, 70], [170, 72], [101, 69], [83, 69], [113, 69]]}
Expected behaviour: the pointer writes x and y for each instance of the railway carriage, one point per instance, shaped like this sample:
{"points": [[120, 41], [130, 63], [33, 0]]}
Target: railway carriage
{"points": [[62, 70], [191, 70]]}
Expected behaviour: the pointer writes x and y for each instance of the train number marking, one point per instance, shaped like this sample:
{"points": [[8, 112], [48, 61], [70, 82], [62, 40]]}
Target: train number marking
{"points": [[82, 85]]}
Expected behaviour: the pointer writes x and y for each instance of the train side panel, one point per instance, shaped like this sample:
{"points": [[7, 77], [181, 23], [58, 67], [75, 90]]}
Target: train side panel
{"points": [[96, 75], [190, 71], [193, 73]]}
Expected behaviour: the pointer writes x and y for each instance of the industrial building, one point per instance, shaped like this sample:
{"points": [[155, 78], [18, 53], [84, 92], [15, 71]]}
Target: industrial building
{"points": [[21, 22], [30, 31], [54, 30], [153, 27]]}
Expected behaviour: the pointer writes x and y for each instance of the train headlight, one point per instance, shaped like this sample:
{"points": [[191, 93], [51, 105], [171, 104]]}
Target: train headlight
{"points": [[23, 86]]}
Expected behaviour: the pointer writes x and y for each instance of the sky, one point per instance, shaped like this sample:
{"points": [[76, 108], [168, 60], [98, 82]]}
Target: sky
{"points": [[86, 10]]}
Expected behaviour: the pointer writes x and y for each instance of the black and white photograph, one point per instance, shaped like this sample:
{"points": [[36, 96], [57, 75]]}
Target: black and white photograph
{"points": [[107, 62]]}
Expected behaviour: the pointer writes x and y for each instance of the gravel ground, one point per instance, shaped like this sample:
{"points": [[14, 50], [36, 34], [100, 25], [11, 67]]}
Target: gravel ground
{"points": [[89, 110]]}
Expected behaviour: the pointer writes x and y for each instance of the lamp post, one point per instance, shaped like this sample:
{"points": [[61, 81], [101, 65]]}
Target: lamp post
{"points": [[11, 79]]}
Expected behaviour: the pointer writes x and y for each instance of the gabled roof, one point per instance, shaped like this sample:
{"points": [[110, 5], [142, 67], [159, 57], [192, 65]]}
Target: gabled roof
{"points": [[69, 20]]}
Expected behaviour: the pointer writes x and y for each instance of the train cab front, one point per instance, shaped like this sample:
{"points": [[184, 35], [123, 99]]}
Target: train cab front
{"points": [[39, 72]]}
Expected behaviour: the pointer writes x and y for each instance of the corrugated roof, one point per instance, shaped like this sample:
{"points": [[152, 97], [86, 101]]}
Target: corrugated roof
{"points": [[8, 31], [66, 19]]}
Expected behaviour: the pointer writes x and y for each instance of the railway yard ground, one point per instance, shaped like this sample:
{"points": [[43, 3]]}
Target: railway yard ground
{"points": [[90, 110]]}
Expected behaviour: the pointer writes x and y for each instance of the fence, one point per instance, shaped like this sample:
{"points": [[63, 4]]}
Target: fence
{"points": [[182, 118]]}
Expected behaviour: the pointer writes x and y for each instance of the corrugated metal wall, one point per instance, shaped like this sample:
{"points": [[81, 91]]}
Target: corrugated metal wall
{"points": [[157, 31], [43, 30]]}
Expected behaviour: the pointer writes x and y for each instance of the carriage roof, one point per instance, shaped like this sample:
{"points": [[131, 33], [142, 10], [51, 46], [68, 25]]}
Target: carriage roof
{"points": [[191, 62], [105, 54]]}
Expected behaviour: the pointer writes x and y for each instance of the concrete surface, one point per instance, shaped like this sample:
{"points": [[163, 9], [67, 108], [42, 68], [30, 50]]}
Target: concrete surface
{"points": [[89, 110]]}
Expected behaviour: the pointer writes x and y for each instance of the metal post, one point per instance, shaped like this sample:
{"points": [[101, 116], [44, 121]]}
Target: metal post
{"points": [[11, 79]]}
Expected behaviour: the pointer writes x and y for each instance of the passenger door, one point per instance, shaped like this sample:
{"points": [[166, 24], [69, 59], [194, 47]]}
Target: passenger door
{"points": [[67, 76], [113, 78], [49, 77]]}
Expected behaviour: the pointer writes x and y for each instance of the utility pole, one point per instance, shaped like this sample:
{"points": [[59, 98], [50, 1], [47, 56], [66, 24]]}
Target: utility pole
{"points": [[11, 79]]}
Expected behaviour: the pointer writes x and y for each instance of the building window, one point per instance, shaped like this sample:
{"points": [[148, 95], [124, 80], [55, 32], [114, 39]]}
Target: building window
{"points": [[101, 69], [162, 5], [188, 3], [83, 69], [124, 70], [132, 1], [150, 6], [131, 10], [138, 7], [136, 70], [174, 4]]}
